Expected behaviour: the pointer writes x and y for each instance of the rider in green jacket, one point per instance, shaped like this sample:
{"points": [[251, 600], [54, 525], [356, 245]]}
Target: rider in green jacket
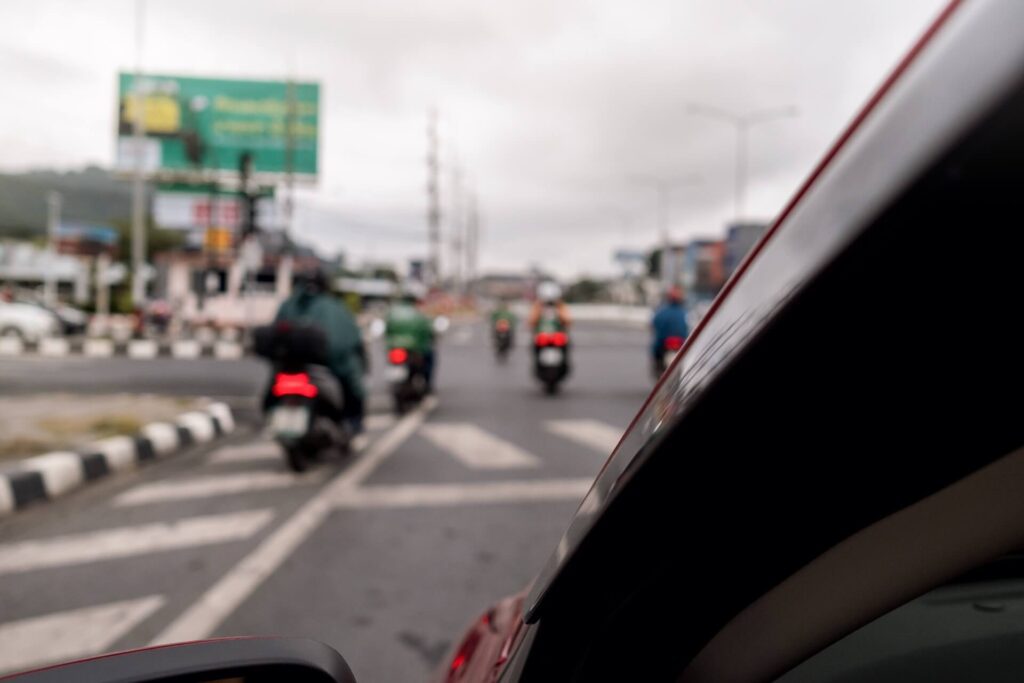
{"points": [[312, 304], [409, 328]]}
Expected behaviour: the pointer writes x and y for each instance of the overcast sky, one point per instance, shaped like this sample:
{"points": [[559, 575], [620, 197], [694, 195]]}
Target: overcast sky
{"points": [[555, 107]]}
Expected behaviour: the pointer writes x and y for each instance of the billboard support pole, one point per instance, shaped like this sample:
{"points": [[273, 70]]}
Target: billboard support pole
{"points": [[138, 186]]}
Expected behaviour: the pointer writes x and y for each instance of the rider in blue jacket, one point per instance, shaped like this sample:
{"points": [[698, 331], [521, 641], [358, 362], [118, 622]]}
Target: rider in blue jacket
{"points": [[669, 321]]}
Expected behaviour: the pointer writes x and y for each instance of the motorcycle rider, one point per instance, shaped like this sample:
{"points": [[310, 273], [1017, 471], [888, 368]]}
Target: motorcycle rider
{"points": [[312, 304], [548, 303], [407, 326], [504, 312], [669, 321]]}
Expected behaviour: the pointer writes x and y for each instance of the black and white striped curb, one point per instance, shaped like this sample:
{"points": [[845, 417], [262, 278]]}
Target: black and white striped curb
{"points": [[52, 475], [58, 347]]}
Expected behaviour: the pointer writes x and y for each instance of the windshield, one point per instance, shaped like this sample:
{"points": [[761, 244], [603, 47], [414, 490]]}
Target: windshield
{"points": [[319, 318]]}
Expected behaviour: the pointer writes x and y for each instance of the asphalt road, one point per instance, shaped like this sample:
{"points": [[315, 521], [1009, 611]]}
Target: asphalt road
{"points": [[386, 556]]}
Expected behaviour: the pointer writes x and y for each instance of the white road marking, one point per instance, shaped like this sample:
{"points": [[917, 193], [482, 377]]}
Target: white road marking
{"points": [[420, 495], [378, 421], [477, 448], [224, 597], [215, 485], [591, 433], [462, 336], [77, 633], [258, 451], [108, 544]]}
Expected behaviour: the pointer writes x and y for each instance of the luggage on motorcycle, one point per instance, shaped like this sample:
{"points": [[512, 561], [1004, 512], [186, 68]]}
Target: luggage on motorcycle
{"points": [[291, 343]]}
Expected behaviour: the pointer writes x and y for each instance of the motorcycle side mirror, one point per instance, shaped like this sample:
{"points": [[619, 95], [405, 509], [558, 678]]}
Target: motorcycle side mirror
{"points": [[253, 660], [441, 324], [377, 328]]}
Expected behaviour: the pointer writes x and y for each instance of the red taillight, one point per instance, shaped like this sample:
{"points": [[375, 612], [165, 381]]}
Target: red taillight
{"points": [[502, 326], [297, 384], [542, 339], [397, 356], [458, 662], [559, 338], [674, 343]]}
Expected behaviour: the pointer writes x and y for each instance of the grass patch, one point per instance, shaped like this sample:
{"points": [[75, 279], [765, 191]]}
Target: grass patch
{"points": [[23, 446], [96, 426]]}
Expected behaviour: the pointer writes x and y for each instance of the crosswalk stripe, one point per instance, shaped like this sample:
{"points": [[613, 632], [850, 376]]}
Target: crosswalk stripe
{"points": [[109, 544], [591, 433], [202, 487], [477, 448], [416, 495], [215, 605], [73, 634], [257, 451]]}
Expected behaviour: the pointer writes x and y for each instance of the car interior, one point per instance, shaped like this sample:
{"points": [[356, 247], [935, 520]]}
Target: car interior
{"points": [[891, 378]]}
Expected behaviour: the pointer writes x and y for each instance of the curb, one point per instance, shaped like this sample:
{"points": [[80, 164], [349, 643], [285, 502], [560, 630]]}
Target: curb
{"points": [[135, 349], [51, 475]]}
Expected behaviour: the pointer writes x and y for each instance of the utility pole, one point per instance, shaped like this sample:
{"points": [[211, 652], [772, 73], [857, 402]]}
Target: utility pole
{"points": [[742, 124], [433, 202], [138, 181], [472, 238], [53, 206], [663, 189], [457, 225]]}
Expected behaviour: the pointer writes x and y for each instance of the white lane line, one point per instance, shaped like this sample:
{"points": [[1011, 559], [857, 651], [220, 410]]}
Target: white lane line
{"points": [[421, 495], [462, 336], [258, 451], [378, 421], [108, 544], [477, 448], [591, 433], [73, 634], [224, 597], [215, 485]]}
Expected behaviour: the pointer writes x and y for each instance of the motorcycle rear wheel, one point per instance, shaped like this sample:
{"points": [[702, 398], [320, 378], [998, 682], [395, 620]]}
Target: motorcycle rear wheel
{"points": [[297, 459]]}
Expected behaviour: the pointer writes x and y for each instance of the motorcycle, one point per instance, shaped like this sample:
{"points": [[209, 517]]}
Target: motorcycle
{"points": [[669, 348], [406, 373], [502, 339], [303, 403], [551, 359]]}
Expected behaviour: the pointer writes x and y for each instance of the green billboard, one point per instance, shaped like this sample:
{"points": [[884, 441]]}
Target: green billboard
{"points": [[198, 126]]}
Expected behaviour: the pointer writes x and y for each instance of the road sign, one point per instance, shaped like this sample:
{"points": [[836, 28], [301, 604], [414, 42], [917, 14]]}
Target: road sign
{"points": [[195, 127], [189, 208]]}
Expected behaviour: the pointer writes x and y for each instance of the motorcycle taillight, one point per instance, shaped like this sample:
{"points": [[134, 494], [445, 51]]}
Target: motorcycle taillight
{"points": [[397, 356], [559, 338], [294, 384], [542, 339], [674, 343]]}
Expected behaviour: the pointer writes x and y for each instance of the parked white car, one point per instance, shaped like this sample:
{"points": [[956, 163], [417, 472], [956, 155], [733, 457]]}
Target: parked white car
{"points": [[27, 321]]}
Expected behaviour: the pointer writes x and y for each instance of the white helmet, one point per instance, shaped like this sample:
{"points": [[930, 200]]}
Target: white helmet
{"points": [[549, 291]]}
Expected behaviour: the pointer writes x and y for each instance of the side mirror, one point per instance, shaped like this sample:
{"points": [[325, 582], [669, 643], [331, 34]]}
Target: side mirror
{"points": [[252, 660], [441, 324]]}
